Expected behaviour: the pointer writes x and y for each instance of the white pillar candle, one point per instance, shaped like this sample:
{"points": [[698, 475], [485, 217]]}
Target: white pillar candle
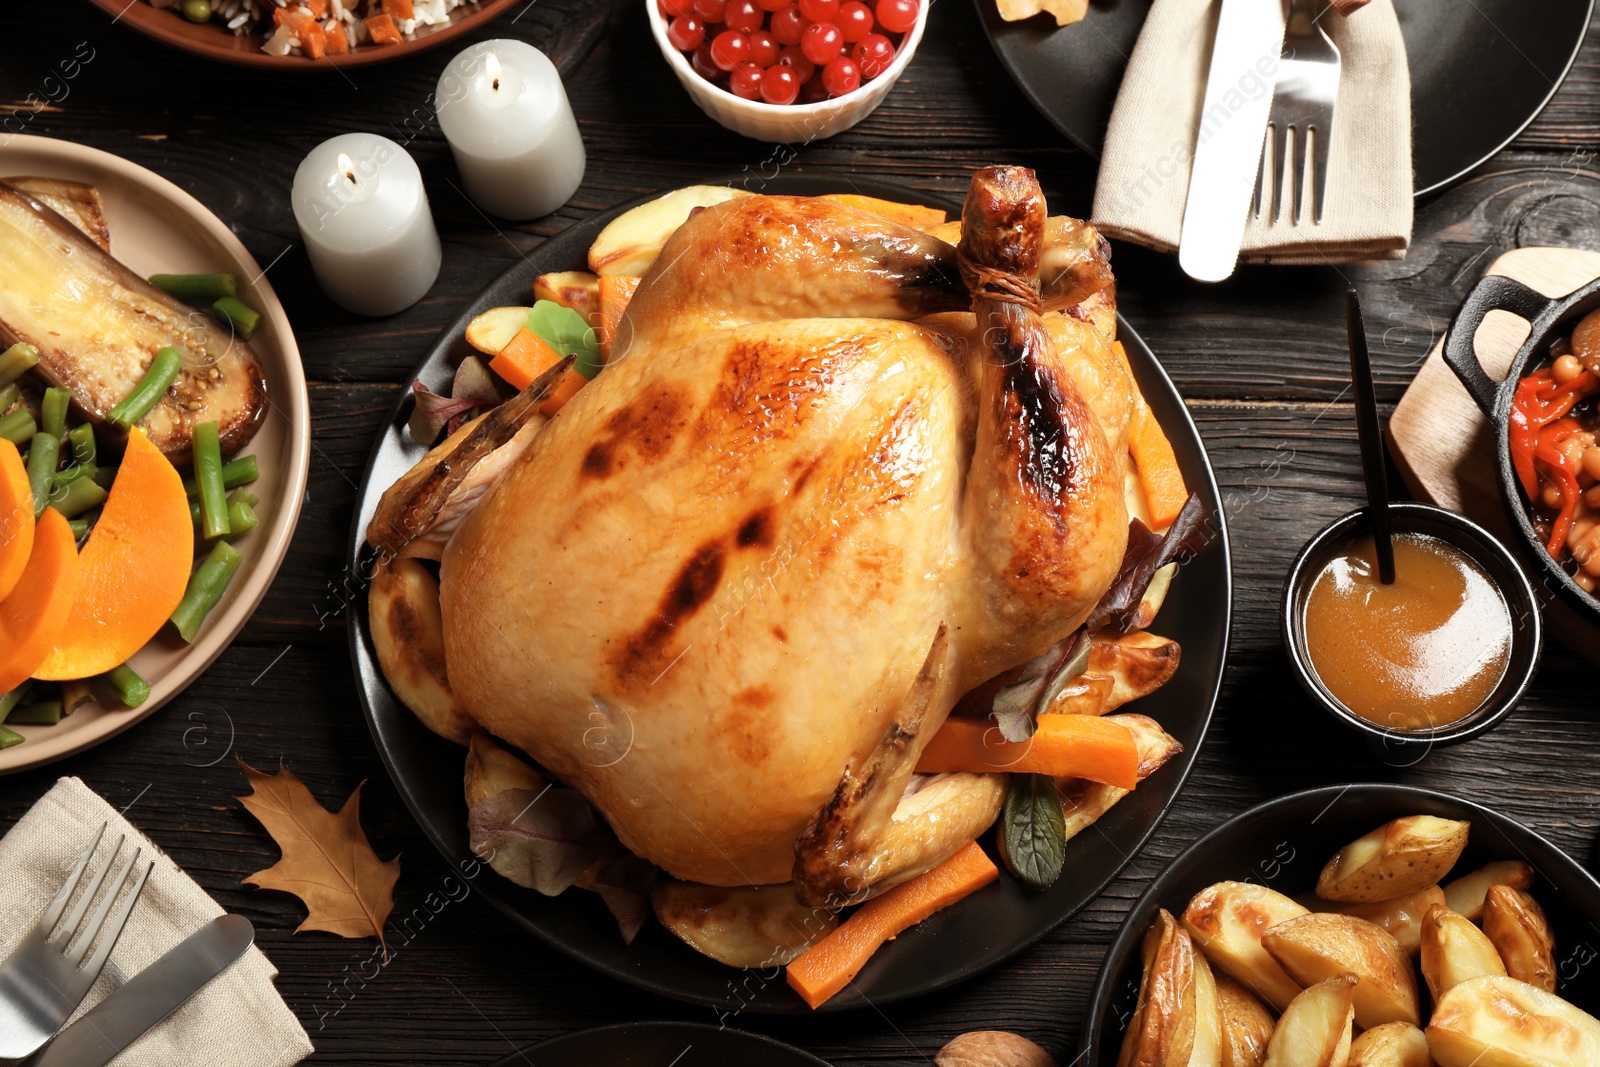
{"points": [[505, 113], [364, 217]]}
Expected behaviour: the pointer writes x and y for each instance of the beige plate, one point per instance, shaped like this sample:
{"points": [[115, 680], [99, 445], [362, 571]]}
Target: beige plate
{"points": [[157, 227]]}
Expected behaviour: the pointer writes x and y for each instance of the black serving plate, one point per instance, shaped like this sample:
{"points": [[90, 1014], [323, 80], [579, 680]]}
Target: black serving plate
{"points": [[1480, 71], [995, 923], [1283, 845], [661, 1045]]}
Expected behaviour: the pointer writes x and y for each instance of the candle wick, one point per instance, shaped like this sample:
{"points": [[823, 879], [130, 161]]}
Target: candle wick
{"points": [[351, 176], [497, 85]]}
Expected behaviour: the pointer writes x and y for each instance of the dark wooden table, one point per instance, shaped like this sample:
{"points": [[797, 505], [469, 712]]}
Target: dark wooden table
{"points": [[1261, 360]]}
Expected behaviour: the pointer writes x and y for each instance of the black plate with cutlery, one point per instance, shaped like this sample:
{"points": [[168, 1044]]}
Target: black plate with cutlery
{"points": [[1480, 72]]}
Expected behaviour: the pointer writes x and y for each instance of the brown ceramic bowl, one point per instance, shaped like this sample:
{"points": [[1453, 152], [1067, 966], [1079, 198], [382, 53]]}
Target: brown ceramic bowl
{"points": [[157, 227], [213, 40]]}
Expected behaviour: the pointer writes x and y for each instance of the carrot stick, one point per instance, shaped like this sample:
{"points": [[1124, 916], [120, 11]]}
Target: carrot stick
{"points": [[1159, 475], [565, 390], [831, 964], [1064, 746], [524, 358], [615, 292]]}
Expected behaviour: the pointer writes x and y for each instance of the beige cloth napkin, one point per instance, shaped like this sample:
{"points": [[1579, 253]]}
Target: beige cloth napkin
{"points": [[1144, 171], [239, 1020]]}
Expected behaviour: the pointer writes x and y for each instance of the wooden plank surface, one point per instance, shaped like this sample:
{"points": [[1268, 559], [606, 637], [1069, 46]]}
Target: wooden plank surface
{"points": [[1261, 359]]}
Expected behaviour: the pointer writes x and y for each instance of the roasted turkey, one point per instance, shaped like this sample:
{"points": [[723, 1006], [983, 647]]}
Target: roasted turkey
{"points": [[836, 474]]}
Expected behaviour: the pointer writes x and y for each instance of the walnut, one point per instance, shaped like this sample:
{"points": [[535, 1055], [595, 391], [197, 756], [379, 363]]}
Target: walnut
{"points": [[992, 1048]]}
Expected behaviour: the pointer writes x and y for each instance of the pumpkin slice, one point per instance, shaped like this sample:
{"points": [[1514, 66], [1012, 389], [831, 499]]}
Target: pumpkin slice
{"points": [[36, 612], [16, 517], [135, 567]]}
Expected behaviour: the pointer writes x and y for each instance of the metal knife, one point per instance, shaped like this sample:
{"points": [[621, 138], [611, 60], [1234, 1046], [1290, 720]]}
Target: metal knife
{"points": [[1233, 127], [149, 996]]}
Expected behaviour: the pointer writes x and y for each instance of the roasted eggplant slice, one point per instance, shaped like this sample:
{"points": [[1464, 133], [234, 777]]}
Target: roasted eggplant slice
{"points": [[97, 326], [76, 202]]}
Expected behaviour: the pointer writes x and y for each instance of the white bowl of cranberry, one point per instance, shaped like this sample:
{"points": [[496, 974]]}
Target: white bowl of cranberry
{"points": [[788, 71]]}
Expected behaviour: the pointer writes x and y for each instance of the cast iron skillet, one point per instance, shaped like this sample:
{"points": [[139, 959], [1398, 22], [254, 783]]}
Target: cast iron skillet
{"points": [[1550, 320], [1480, 72], [994, 924], [1283, 844], [661, 1045]]}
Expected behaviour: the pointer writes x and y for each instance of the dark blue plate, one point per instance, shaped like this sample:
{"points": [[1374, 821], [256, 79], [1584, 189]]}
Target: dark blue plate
{"points": [[980, 932]]}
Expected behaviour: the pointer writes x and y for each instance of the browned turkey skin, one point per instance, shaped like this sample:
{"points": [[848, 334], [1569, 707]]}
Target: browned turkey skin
{"points": [[835, 475]]}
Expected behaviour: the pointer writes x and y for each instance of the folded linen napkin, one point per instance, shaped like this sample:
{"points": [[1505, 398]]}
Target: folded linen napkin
{"points": [[1144, 171], [238, 1020]]}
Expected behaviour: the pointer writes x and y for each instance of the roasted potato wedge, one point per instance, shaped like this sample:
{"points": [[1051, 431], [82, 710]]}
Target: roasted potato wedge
{"points": [[1454, 950], [1316, 1026], [576, 289], [1402, 916], [1246, 1024], [1497, 1021], [492, 768], [1086, 801], [408, 635], [1515, 923], [745, 926], [1316, 947], [1177, 1022], [1227, 921], [494, 329], [1391, 1045], [1397, 859], [631, 241], [1465, 895]]}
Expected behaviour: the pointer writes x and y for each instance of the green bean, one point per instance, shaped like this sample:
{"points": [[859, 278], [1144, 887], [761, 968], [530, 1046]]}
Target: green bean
{"points": [[53, 411], [18, 427], [43, 713], [196, 288], [17, 361], [147, 394], [235, 472], [8, 738], [208, 477], [241, 316], [8, 396], [241, 519], [104, 477], [243, 496], [131, 688], [83, 524], [43, 455], [76, 472], [77, 497], [206, 586], [13, 698], [82, 440]]}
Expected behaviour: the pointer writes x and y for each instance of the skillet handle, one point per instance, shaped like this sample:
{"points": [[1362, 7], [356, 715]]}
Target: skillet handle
{"points": [[1494, 292]]}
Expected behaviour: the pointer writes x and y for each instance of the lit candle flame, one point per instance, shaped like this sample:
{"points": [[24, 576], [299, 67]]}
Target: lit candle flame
{"points": [[491, 67], [347, 167]]}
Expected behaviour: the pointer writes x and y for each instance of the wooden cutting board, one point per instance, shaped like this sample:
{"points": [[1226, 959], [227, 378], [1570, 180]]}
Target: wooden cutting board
{"points": [[1444, 446]]}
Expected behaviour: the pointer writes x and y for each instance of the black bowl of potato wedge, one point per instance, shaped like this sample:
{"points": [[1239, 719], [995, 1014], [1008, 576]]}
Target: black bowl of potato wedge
{"points": [[1359, 926]]}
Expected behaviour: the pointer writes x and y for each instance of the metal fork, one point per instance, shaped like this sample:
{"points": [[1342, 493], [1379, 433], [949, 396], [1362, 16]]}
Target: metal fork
{"points": [[1307, 89], [43, 981]]}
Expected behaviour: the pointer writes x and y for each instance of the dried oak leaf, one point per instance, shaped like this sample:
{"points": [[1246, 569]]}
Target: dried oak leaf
{"points": [[327, 861]]}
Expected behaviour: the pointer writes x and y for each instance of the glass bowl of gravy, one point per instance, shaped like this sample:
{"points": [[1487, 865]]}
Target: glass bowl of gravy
{"points": [[1438, 656]]}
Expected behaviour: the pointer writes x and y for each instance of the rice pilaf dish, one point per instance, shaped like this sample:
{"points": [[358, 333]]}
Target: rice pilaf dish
{"points": [[315, 28]]}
